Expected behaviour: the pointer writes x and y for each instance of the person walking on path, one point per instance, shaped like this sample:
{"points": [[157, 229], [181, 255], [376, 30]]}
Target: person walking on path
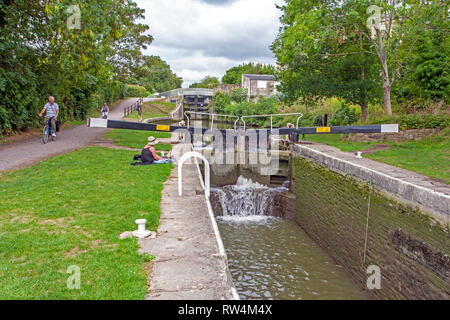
{"points": [[139, 110], [52, 110], [105, 111]]}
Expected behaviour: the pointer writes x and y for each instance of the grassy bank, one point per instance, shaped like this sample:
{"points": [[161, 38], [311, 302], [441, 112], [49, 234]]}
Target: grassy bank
{"points": [[137, 139], [336, 140], [429, 156], [70, 210], [153, 110]]}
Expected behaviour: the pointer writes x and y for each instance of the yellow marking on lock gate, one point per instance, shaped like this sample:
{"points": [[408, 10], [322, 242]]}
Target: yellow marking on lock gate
{"points": [[162, 128], [323, 130]]}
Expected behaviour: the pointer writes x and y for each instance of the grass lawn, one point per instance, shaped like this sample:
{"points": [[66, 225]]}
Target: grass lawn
{"points": [[430, 156], [137, 139], [70, 210], [335, 141], [153, 110]]}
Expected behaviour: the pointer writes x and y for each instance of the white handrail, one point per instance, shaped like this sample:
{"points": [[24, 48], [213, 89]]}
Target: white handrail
{"points": [[183, 159], [271, 118], [212, 115]]}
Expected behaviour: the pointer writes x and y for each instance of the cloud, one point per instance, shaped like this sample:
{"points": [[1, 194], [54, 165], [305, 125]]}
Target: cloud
{"points": [[218, 2], [206, 37]]}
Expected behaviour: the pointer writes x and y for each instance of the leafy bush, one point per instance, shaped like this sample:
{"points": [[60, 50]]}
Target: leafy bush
{"points": [[417, 121], [220, 101], [239, 94], [414, 121], [135, 91], [318, 121], [343, 116]]}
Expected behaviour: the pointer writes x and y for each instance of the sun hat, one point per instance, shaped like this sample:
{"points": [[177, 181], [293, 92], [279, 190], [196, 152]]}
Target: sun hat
{"points": [[152, 141]]}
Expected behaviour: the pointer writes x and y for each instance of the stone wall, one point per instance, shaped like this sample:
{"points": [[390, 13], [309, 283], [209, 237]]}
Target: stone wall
{"points": [[228, 88], [406, 135], [411, 250]]}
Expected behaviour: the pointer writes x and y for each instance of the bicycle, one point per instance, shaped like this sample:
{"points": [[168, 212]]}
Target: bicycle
{"points": [[47, 131]]}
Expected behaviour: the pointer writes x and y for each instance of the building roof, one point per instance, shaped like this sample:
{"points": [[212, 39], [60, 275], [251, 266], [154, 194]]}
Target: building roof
{"points": [[266, 77]]}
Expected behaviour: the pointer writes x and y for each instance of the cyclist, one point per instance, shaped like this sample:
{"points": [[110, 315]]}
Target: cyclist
{"points": [[52, 110], [105, 111]]}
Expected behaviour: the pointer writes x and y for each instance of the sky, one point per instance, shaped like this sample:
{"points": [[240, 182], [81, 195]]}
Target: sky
{"points": [[198, 38]]}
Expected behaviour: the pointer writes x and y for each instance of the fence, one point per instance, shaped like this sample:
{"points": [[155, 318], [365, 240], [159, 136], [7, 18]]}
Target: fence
{"points": [[130, 109]]}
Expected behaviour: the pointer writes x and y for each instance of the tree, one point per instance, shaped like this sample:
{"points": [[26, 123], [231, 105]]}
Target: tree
{"points": [[321, 62], [393, 29], [426, 72], [208, 83], [42, 55], [234, 75], [156, 76], [389, 31]]}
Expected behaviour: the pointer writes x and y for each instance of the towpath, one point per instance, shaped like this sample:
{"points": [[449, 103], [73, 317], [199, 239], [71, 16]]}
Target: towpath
{"points": [[188, 263], [19, 154]]}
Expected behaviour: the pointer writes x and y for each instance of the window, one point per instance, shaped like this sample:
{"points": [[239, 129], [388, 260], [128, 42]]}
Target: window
{"points": [[262, 84]]}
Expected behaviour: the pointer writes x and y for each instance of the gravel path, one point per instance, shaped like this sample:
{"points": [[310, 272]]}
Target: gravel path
{"points": [[19, 154]]}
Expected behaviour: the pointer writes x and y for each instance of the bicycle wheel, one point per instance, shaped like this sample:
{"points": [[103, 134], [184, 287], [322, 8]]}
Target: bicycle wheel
{"points": [[45, 135]]}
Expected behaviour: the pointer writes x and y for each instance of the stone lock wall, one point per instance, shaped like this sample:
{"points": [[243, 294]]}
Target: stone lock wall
{"points": [[411, 250], [406, 135]]}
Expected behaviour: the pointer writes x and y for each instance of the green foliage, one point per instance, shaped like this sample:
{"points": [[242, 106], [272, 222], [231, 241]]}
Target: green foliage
{"points": [[322, 57], [80, 68], [427, 70], [318, 121], [207, 83], [239, 94], [417, 121], [156, 76], [219, 101], [343, 116], [135, 91], [236, 104], [148, 257], [325, 49], [234, 75], [223, 102]]}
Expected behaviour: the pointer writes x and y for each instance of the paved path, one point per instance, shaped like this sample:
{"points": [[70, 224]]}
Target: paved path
{"points": [[188, 265], [30, 151]]}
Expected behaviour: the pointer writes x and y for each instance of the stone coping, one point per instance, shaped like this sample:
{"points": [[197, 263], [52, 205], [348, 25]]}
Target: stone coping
{"points": [[430, 195]]}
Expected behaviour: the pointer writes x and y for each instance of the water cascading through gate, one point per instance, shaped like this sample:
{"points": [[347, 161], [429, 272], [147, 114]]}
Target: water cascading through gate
{"points": [[246, 199]]}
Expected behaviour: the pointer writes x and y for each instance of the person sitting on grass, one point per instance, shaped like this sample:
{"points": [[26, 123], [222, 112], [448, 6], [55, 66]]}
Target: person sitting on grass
{"points": [[149, 153]]}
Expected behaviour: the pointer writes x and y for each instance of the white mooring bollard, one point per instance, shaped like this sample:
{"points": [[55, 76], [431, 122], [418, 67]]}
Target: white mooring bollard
{"points": [[359, 156], [141, 232]]}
